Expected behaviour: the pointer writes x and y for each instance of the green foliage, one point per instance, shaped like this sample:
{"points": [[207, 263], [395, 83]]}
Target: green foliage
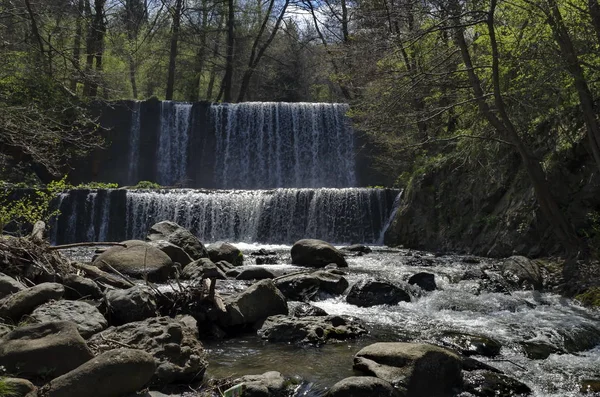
{"points": [[96, 185], [591, 297], [7, 390], [147, 185], [31, 207]]}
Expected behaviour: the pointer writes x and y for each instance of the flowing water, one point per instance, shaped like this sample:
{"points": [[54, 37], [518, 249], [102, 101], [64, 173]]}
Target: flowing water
{"points": [[466, 306], [172, 151]]}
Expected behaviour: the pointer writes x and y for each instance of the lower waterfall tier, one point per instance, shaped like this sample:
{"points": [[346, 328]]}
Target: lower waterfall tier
{"points": [[279, 216]]}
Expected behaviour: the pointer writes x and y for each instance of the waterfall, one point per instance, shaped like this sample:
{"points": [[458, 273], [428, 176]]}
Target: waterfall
{"points": [[348, 215], [267, 145], [172, 151], [134, 143]]}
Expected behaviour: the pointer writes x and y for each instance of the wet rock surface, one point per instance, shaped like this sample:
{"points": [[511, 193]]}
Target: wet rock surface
{"points": [[86, 317], [376, 292], [316, 253]]}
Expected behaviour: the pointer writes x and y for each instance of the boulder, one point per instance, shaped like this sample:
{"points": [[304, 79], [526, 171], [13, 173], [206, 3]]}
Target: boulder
{"points": [[9, 285], [316, 253], [255, 273], [358, 248], [311, 329], [470, 345], [522, 271], [225, 252], [19, 387], [363, 386], [269, 384], [256, 303], [133, 304], [177, 254], [420, 369], [538, 350], [263, 252], [77, 287], [85, 316], [138, 260], [308, 286], [426, 281], [302, 309], [492, 384], [114, 373], [589, 386], [43, 350], [368, 293], [178, 354], [201, 269], [17, 305], [266, 260], [177, 235]]}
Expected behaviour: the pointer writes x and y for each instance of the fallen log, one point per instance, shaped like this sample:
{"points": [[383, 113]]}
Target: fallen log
{"points": [[98, 275], [86, 244]]}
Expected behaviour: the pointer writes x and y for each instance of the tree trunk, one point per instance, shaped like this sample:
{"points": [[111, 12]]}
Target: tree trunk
{"points": [[215, 54], [77, 45], [173, 52], [226, 86], [594, 8]]}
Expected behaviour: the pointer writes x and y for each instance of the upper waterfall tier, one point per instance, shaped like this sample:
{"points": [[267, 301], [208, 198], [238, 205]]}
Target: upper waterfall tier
{"points": [[252, 145], [350, 215]]}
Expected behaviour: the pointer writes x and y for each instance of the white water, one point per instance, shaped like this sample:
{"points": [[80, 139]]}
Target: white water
{"points": [[267, 145], [134, 143], [172, 151]]}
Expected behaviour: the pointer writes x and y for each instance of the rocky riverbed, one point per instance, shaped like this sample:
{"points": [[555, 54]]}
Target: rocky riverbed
{"points": [[301, 320]]}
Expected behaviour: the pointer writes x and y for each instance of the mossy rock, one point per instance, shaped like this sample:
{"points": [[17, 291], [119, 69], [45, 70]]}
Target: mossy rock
{"points": [[590, 298]]}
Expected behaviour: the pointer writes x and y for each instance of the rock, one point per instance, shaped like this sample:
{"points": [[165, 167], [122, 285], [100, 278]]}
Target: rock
{"points": [[133, 304], [85, 316], [590, 386], [421, 369], [179, 356], [522, 271], [266, 260], [311, 329], [177, 235], [368, 293], [139, 261], [358, 248], [316, 253], [177, 254], [263, 252], [470, 345], [302, 309], [114, 373], [471, 260], [23, 302], [233, 273], [307, 286], [43, 350], [9, 285], [4, 329], [492, 384], [255, 273], [190, 322], [256, 303], [426, 281], [363, 386], [201, 269], [538, 350], [77, 287], [269, 384], [225, 252], [19, 388]]}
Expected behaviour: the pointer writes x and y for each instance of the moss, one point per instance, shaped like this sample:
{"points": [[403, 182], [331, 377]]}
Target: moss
{"points": [[591, 297], [6, 389], [147, 185]]}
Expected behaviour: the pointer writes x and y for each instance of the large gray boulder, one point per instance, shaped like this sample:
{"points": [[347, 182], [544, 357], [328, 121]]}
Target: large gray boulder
{"points": [[363, 386], [419, 369], [77, 287], [114, 373], [139, 260], [201, 269], [368, 293], [255, 273], [225, 252], [43, 350], [178, 354], [19, 388], [256, 303], [179, 236], [177, 254], [303, 309], [522, 271], [310, 329], [316, 253], [133, 304], [309, 286], [17, 305], [9, 285], [85, 316], [269, 384]]}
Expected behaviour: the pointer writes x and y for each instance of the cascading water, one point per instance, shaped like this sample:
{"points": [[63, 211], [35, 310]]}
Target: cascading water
{"points": [[266, 145], [270, 216], [173, 148], [134, 142]]}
